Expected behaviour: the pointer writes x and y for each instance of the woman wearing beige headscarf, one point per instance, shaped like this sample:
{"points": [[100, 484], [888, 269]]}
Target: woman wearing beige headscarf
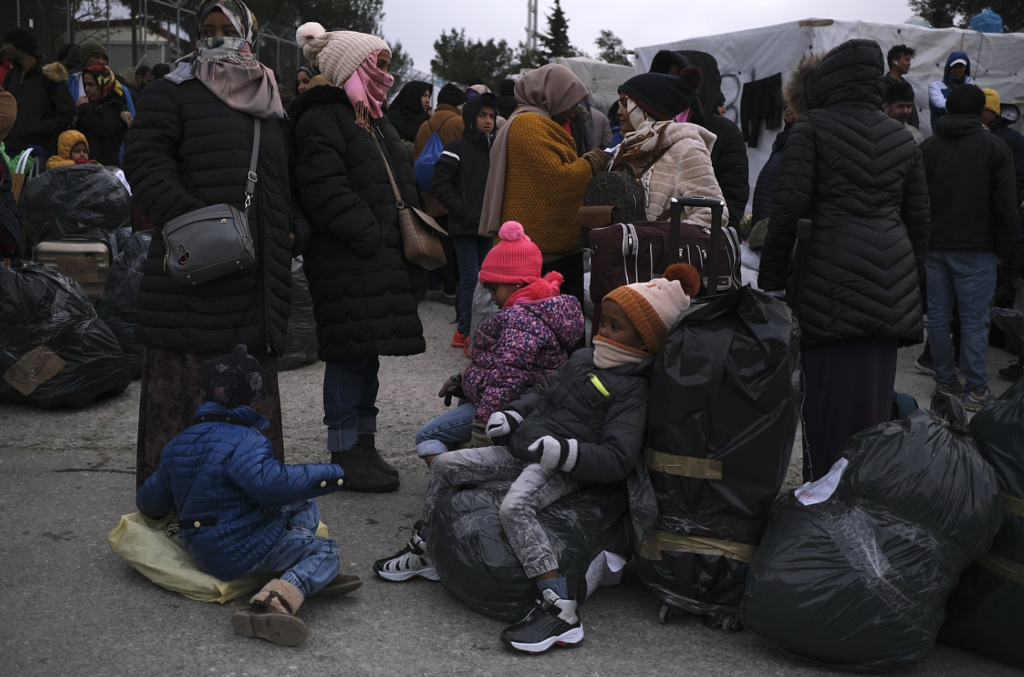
{"points": [[536, 178]]}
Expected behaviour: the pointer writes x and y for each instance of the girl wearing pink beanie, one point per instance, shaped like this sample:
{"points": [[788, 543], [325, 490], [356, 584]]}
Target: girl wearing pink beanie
{"points": [[513, 350]]}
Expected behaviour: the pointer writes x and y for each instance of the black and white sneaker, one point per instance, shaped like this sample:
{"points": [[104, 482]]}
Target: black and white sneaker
{"points": [[409, 562], [553, 622]]}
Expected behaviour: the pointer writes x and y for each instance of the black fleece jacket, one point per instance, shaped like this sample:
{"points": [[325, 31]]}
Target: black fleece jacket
{"points": [[971, 185], [460, 174]]}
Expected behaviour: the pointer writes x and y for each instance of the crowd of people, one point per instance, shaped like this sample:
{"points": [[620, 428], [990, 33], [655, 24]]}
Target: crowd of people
{"points": [[899, 223]]}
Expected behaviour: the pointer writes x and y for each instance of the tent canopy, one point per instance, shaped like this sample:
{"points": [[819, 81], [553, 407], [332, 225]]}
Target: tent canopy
{"points": [[602, 79], [997, 60]]}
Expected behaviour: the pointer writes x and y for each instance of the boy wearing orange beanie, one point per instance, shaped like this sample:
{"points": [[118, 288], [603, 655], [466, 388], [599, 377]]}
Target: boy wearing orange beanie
{"points": [[584, 425]]}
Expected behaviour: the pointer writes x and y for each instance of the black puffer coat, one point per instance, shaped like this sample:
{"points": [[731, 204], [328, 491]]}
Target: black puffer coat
{"points": [[857, 174], [189, 150], [460, 174], [604, 410], [358, 276], [104, 128]]}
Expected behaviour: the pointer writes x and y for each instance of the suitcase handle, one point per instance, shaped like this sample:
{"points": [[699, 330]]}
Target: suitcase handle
{"points": [[717, 208]]}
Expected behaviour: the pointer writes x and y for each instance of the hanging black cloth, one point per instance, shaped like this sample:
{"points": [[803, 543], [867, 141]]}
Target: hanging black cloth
{"points": [[761, 101]]}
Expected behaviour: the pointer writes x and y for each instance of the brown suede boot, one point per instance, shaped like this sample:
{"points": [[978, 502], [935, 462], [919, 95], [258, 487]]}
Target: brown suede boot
{"points": [[341, 585], [271, 615], [366, 441]]}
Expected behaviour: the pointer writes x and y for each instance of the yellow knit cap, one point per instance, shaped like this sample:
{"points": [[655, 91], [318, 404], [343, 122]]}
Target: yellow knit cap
{"points": [[992, 100]]}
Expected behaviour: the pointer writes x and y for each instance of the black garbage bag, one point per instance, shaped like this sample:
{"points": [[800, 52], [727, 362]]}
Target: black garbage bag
{"points": [[984, 612], [54, 350], [721, 423], [302, 345], [71, 200], [120, 297], [1012, 324], [859, 580], [474, 560]]}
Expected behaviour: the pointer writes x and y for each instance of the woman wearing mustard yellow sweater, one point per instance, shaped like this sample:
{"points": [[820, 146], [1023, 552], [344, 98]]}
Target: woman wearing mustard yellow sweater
{"points": [[535, 176]]}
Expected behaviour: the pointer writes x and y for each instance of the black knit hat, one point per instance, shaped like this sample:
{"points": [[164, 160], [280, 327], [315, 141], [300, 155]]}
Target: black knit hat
{"points": [[233, 380], [451, 95], [663, 96], [23, 39]]}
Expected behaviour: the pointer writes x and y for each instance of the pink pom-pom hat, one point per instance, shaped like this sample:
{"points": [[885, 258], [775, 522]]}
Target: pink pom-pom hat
{"points": [[514, 260]]}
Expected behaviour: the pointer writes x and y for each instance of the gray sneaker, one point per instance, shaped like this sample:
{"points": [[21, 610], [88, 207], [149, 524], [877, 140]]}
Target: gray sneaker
{"points": [[977, 400]]}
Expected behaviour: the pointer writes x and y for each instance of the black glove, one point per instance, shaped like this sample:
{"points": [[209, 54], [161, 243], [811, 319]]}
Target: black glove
{"points": [[452, 388]]}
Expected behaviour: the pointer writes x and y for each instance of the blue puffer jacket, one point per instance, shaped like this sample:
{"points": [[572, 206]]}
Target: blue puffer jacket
{"points": [[226, 476]]}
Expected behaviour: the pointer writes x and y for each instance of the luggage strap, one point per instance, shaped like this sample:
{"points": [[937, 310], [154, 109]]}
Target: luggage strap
{"points": [[1013, 505], [184, 525], [1001, 566], [684, 466], [664, 541], [219, 418]]}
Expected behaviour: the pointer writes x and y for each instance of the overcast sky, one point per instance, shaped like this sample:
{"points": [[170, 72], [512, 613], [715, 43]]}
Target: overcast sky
{"points": [[418, 23]]}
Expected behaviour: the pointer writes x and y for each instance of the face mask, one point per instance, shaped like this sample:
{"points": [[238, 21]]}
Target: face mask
{"points": [[636, 114], [221, 47]]}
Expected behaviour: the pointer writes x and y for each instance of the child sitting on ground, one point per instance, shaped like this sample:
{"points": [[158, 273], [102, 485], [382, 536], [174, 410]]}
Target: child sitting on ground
{"points": [[513, 350], [583, 425], [72, 149], [241, 511]]}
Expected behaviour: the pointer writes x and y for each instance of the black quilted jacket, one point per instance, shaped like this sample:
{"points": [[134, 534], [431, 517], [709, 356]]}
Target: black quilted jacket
{"points": [[189, 150], [858, 176], [358, 275]]}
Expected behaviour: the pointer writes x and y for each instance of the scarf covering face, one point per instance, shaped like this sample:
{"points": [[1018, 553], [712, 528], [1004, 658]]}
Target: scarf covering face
{"points": [[367, 90], [609, 354], [233, 380], [406, 111], [105, 80], [548, 91], [641, 146], [227, 66]]}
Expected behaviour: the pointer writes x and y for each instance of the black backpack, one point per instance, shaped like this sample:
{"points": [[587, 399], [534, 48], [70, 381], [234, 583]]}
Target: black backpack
{"points": [[620, 191]]}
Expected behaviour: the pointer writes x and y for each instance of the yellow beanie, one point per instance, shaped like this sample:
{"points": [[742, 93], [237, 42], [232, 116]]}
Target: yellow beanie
{"points": [[991, 100]]}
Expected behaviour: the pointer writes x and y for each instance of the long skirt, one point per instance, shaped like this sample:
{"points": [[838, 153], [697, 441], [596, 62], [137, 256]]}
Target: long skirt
{"points": [[848, 387], [170, 396]]}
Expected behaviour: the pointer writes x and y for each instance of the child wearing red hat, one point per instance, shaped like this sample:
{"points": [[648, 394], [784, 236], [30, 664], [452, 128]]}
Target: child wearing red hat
{"points": [[514, 350]]}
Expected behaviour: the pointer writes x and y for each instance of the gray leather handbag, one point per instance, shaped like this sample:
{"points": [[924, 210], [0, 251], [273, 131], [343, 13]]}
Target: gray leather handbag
{"points": [[214, 241]]}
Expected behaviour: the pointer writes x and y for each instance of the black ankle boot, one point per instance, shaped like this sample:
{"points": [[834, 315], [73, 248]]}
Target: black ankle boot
{"points": [[360, 475], [367, 443]]}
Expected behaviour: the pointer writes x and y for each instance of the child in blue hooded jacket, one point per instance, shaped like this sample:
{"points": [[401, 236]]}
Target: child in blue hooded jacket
{"points": [[241, 511]]}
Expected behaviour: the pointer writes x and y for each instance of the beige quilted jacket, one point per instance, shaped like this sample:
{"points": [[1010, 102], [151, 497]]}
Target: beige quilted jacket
{"points": [[684, 170]]}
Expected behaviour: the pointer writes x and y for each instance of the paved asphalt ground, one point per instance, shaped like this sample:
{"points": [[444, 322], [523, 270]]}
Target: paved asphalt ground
{"points": [[69, 606]]}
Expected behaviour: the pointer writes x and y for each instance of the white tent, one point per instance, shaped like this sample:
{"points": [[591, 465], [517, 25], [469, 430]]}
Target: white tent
{"points": [[997, 60], [602, 79]]}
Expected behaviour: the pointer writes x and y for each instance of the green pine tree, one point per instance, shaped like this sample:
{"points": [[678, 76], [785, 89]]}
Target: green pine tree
{"points": [[555, 42]]}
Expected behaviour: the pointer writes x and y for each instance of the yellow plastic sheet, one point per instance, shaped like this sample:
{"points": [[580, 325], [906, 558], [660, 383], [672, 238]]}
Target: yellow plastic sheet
{"points": [[153, 548]]}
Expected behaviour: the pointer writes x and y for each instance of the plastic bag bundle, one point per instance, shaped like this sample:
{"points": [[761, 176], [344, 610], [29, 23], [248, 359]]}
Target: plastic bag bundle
{"points": [[71, 200], [722, 418], [474, 560], [120, 298], [854, 569], [984, 611], [302, 345], [54, 350]]}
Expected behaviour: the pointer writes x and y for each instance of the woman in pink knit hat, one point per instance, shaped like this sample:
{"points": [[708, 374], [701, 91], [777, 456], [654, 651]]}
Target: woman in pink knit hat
{"points": [[514, 350]]}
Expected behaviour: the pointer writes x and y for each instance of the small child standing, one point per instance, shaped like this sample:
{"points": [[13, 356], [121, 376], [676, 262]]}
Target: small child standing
{"points": [[460, 177], [584, 425], [241, 511], [513, 350], [72, 149]]}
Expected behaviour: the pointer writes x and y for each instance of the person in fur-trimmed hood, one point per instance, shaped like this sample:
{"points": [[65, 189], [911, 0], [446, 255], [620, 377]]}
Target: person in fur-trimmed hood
{"points": [[583, 425], [514, 350], [674, 155], [45, 106], [857, 175]]}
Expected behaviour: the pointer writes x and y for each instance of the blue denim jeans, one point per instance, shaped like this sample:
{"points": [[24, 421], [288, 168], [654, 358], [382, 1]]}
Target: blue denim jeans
{"points": [[470, 251], [308, 561], [448, 430], [970, 278], [350, 396]]}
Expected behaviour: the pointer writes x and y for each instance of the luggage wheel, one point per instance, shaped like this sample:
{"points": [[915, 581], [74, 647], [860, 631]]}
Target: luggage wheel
{"points": [[731, 624], [666, 614]]}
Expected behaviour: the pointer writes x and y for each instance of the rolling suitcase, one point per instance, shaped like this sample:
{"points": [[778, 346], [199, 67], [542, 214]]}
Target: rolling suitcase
{"points": [[626, 253], [85, 260]]}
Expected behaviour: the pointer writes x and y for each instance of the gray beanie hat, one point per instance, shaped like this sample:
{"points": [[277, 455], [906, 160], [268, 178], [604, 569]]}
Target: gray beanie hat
{"points": [[337, 54]]}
